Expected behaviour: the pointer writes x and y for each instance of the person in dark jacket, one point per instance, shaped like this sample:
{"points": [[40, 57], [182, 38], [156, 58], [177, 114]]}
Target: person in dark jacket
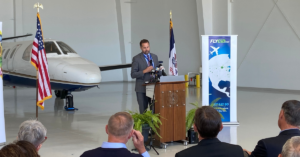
{"points": [[142, 64], [119, 130], [208, 124], [288, 122]]}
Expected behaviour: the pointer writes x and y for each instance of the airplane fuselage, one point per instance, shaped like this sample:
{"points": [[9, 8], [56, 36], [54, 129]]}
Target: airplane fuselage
{"points": [[67, 70]]}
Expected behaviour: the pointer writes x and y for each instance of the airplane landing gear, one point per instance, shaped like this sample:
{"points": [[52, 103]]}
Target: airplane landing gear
{"points": [[64, 94], [61, 93], [69, 103]]}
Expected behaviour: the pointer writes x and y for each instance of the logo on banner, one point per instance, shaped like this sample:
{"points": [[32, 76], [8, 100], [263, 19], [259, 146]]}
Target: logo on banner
{"points": [[218, 41]]}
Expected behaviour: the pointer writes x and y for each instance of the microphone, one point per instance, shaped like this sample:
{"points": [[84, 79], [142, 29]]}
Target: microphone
{"points": [[163, 72], [163, 69], [153, 70]]}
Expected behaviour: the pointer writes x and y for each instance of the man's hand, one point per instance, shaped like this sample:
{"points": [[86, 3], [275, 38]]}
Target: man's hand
{"points": [[148, 69], [138, 141], [247, 151]]}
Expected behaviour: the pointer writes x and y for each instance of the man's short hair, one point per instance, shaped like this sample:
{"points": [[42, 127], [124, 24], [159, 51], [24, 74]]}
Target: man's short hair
{"points": [[32, 131], [291, 110], [291, 148], [120, 124], [208, 122], [143, 41]]}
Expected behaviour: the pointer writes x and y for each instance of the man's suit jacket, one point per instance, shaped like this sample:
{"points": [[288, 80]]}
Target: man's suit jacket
{"points": [[139, 64], [272, 147], [109, 152], [212, 148]]}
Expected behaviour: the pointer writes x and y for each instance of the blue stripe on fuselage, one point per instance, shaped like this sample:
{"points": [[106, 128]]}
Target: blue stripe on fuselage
{"points": [[12, 80]]}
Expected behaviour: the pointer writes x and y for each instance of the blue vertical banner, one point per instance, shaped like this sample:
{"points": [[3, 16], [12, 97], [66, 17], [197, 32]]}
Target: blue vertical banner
{"points": [[219, 74]]}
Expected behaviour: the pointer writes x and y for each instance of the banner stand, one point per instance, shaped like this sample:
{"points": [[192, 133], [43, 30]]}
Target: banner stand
{"points": [[219, 75], [2, 121]]}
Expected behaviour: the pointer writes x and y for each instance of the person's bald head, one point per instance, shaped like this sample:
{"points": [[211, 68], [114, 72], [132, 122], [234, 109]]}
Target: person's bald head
{"points": [[120, 124]]}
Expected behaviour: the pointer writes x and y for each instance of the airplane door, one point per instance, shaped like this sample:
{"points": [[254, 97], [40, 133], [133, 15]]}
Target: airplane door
{"points": [[10, 57]]}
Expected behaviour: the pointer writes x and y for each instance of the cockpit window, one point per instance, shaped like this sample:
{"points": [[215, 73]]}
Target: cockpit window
{"points": [[13, 52], [27, 52], [6, 53], [65, 48], [3, 50], [50, 47]]}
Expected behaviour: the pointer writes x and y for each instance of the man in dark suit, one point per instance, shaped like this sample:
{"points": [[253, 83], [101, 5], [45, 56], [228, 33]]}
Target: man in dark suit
{"points": [[288, 122], [142, 64], [119, 130], [208, 124]]}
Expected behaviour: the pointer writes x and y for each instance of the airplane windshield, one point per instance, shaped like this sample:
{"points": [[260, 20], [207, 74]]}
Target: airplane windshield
{"points": [[65, 48], [50, 47]]}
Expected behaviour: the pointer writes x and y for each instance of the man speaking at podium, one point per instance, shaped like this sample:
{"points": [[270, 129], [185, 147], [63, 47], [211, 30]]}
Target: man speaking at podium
{"points": [[142, 64]]}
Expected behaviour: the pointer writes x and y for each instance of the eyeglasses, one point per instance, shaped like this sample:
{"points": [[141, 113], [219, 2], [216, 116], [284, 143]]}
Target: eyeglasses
{"points": [[44, 139]]}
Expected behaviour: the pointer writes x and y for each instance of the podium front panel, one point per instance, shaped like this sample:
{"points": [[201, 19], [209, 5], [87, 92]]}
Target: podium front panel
{"points": [[166, 111], [179, 112], [170, 104]]}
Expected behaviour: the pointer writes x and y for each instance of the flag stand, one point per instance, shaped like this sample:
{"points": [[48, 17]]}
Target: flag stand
{"points": [[36, 106]]}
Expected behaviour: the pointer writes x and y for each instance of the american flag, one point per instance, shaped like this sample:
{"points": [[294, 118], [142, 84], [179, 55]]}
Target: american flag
{"points": [[39, 61]]}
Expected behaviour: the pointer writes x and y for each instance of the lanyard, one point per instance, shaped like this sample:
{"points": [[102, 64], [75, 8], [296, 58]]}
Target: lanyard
{"points": [[146, 57]]}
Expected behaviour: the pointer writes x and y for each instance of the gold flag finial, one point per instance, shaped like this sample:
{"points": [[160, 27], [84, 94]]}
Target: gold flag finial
{"points": [[170, 14], [38, 6]]}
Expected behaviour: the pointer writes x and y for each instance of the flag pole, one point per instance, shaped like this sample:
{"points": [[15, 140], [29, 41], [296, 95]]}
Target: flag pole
{"points": [[36, 107], [38, 6], [171, 14]]}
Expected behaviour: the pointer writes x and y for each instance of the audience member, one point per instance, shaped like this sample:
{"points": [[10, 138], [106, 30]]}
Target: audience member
{"points": [[119, 130], [208, 124], [288, 122], [11, 150], [27, 148], [291, 148], [34, 132]]}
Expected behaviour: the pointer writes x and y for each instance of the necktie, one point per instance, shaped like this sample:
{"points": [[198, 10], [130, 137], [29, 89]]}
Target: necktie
{"points": [[148, 60]]}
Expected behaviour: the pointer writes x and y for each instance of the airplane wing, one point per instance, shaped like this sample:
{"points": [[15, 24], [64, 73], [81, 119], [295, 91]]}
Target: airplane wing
{"points": [[15, 37], [113, 67]]}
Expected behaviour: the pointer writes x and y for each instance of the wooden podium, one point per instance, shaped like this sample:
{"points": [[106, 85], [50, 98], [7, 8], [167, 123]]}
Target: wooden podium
{"points": [[170, 103]]}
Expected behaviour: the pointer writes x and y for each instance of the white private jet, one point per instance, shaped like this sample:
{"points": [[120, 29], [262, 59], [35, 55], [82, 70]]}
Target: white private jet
{"points": [[67, 70], [214, 50]]}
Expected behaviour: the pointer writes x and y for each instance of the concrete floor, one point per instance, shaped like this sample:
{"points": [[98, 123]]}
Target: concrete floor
{"points": [[71, 133]]}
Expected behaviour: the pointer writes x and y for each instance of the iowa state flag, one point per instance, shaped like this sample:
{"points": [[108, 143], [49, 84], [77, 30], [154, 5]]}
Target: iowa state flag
{"points": [[172, 54]]}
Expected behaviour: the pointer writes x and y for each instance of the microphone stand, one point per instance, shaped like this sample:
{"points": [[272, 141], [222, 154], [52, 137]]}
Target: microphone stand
{"points": [[152, 103], [152, 109]]}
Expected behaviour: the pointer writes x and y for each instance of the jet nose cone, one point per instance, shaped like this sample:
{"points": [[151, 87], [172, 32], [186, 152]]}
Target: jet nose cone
{"points": [[83, 73]]}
